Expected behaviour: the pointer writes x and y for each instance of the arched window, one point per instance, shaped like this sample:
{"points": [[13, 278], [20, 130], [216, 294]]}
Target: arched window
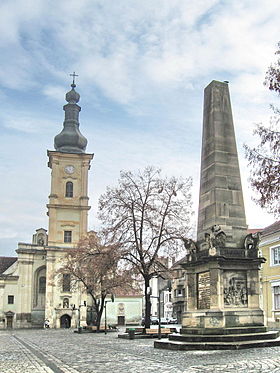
{"points": [[42, 284], [69, 189], [66, 282]]}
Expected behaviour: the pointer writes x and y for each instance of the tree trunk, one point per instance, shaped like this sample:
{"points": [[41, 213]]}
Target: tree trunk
{"points": [[148, 305], [100, 312]]}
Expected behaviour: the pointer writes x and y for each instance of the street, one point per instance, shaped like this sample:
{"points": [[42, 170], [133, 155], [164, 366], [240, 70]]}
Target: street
{"points": [[63, 351]]}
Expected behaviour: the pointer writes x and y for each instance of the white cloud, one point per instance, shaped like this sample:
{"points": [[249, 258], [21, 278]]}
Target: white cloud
{"points": [[142, 68], [54, 92], [24, 122]]}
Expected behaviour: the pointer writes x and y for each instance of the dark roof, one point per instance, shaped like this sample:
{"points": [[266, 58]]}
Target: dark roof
{"points": [[177, 264], [6, 262], [271, 228]]}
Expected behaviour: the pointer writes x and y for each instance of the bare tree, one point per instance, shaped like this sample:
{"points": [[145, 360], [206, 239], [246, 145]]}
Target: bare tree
{"points": [[264, 159], [96, 267], [272, 79], [147, 215]]}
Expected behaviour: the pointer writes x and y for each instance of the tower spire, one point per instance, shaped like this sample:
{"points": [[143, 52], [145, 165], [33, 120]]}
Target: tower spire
{"points": [[70, 139]]}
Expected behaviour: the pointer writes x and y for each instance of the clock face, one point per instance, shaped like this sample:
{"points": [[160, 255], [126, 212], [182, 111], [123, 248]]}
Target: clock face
{"points": [[69, 169]]}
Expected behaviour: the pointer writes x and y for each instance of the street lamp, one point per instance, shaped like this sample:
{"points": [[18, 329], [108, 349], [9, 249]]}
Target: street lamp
{"points": [[168, 286]]}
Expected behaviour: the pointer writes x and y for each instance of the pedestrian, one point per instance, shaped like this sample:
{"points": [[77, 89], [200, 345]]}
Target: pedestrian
{"points": [[46, 324]]}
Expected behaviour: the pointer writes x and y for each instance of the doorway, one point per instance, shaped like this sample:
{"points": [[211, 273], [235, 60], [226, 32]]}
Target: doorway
{"points": [[65, 321], [10, 322], [121, 320]]}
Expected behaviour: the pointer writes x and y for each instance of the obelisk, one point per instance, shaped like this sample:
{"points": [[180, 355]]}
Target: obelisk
{"points": [[221, 200], [221, 269], [222, 266]]}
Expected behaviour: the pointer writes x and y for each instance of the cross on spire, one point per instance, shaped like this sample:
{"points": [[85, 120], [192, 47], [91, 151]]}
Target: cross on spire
{"points": [[74, 75]]}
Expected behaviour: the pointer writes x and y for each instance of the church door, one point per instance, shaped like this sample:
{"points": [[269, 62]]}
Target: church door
{"points": [[9, 322], [65, 321]]}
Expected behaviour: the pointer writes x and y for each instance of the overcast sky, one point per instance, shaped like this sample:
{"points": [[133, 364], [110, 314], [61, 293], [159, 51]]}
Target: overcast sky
{"points": [[142, 66]]}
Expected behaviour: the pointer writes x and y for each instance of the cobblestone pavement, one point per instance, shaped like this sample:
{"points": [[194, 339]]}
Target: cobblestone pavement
{"points": [[62, 351]]}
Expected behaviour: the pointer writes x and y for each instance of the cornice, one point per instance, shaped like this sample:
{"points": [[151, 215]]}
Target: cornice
{"points": [[67, 207]]}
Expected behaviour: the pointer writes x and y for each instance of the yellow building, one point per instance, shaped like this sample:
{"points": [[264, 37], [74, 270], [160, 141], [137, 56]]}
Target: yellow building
{"points": [[270, 274]]}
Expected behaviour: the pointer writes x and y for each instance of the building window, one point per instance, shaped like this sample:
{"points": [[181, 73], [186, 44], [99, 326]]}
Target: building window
{"points": [[66, 282], [67, 236], [42, 284], [10, 299], [69, 189], [276, 292], [180, 292], [275, 255]]}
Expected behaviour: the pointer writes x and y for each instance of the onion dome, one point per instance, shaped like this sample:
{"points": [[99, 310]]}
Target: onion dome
{"points": [[70, 139]]}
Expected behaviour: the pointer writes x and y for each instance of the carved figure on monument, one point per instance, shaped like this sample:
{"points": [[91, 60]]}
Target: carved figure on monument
{"points": [[190, 245], [252, 241], [218, 237], [208, 240]]}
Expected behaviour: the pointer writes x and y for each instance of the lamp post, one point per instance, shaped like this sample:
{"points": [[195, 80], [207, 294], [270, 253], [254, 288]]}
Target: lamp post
{"points": [[168, 286], [159, 314]]}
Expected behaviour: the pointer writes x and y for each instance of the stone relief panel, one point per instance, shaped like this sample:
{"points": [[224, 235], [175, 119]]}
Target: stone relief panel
{"points": [[235, 289], [203, 287]]}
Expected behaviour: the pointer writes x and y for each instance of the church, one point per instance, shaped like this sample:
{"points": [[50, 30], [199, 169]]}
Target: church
{"points": [[31, 288]]}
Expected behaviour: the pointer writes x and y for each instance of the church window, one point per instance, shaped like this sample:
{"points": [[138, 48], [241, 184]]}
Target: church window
{"points": [[42, 284], [69, 189], [10, 299], [67, 236], [66, 282]]}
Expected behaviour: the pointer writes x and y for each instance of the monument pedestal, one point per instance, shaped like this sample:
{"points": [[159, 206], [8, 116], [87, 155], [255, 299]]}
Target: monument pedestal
{"points": [[223, 309], [222, 290]]}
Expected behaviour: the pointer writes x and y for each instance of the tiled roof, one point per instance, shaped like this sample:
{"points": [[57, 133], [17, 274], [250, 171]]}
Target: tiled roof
{"points": [[6, 262], [176, 264], [254, 230], [271, 228]]}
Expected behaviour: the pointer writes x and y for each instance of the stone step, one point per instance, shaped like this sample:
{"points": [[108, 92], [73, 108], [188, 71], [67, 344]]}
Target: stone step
{"points": [[178, 345], [224, 337], [236, 330]]}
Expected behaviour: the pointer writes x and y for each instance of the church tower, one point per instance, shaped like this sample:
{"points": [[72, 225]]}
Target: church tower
{"points": [[68, 216], [68, 200]]}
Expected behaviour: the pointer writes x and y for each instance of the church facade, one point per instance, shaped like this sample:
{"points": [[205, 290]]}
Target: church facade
{"points": [[31, 287]]}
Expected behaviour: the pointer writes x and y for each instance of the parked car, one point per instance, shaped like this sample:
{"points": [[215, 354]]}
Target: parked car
{"points": [[154, 321], [164, 320], [172, 320]]}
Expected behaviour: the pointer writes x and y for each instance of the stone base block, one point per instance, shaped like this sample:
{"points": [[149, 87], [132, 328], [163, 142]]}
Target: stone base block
{"points": [[219, 319]]}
